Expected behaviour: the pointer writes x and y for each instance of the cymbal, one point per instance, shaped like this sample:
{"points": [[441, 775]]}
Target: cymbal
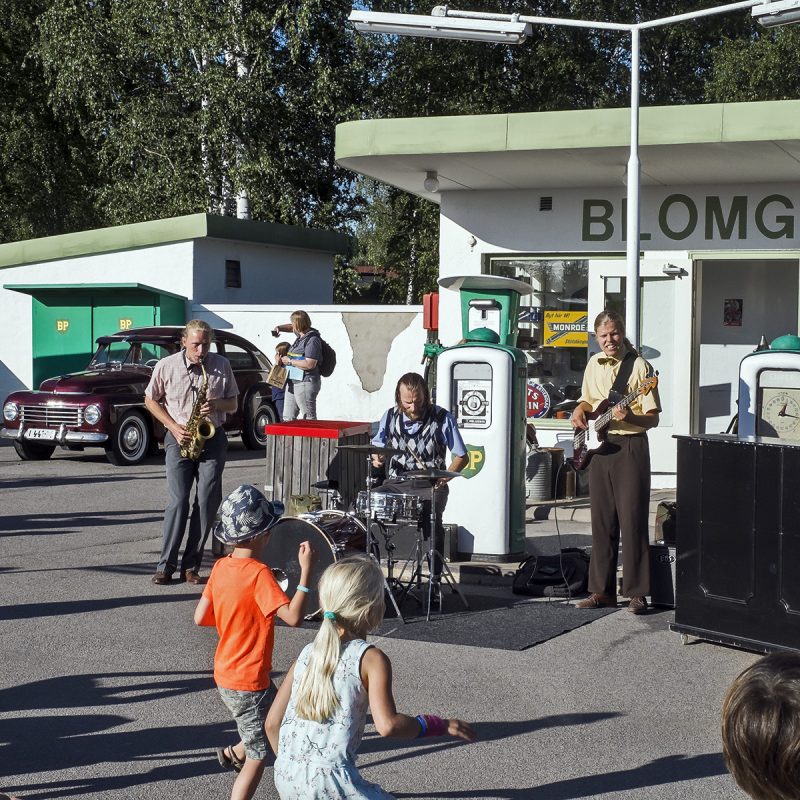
{"points": [[431, 474], [371, 448]]}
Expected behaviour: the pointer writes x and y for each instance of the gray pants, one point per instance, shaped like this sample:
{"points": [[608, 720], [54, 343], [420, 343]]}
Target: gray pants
{"points": [[300, 400], [181, 475]]}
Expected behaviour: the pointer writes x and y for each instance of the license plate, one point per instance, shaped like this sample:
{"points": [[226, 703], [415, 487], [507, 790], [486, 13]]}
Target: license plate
{"points": [[40, 433]]}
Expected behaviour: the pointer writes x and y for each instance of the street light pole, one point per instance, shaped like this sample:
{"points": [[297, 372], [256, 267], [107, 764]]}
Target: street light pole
{"points": [[442, 24]]}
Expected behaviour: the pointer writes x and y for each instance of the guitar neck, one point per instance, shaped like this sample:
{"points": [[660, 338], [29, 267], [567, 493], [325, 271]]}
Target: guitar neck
{"points": [[605, 418]]}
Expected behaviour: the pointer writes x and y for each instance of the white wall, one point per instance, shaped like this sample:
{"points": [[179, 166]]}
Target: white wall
{"points": [[374, 346], [269, 274]]}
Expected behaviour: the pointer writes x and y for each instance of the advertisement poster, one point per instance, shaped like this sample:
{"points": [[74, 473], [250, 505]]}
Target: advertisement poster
{"points": [[565, 329], [732, 313]]}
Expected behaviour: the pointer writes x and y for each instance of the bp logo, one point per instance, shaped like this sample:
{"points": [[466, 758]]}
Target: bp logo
{"points": [[476, 456]]}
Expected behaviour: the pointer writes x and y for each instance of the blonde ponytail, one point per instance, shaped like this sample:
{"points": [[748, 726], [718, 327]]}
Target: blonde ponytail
{"points": [[351, 592]]}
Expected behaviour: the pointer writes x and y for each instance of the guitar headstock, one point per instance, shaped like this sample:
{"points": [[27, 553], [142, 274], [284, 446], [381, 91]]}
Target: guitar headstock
{"points": [[648, 384]]}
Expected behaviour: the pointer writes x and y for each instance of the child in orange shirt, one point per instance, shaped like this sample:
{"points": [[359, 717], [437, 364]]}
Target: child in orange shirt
{"points": [[242, 600]]}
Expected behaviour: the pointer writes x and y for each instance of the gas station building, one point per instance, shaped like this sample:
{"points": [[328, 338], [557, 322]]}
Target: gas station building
{"points": [[540, 197]]}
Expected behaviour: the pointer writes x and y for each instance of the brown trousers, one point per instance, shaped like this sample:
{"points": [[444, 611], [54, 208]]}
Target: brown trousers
{"points": [[619, 488]]}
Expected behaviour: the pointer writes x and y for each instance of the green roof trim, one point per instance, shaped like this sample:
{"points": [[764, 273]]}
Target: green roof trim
{"points": [[168, 231], [37, 288], [558, 130]]}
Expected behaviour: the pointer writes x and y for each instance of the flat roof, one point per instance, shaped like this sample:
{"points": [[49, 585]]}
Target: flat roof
{"points": [[167, 231], [678, 145]]}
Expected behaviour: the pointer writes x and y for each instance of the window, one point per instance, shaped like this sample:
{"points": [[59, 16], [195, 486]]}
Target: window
{"points": [[233, 275], [239, 357], [553, 326]]}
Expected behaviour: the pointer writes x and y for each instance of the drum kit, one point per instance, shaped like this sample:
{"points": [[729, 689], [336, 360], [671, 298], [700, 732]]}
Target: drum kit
{"points": [[336, 534]]}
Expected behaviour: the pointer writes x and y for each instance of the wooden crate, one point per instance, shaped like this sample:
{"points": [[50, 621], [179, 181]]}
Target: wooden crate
{"points": [[303, 452]]}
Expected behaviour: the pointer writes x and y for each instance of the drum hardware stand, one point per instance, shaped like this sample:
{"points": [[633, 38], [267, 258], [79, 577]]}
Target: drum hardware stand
{"points": [[370, 449], [446, 575]]}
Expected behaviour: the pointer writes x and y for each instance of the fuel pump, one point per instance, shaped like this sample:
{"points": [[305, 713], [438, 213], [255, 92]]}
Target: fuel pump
{"points": [[482, 381]]}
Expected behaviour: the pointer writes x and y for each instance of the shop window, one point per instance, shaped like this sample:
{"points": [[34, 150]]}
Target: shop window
{"points": [[553, 328]]}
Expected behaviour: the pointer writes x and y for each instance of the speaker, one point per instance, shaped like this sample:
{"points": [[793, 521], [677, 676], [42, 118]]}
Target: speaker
{"points": [[662, 574], [404, 538]]}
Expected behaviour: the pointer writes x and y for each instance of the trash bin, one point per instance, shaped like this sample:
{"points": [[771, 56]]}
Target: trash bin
{"points": [[539, 475], [304, 452]]}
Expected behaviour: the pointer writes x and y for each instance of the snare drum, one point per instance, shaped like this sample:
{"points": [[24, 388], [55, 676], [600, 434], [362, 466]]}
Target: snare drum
{"points": [[389, 507], [332, 534]]}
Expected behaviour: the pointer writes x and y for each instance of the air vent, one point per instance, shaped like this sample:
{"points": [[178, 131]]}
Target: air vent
{"points": [[545, 204], [233, 275]]}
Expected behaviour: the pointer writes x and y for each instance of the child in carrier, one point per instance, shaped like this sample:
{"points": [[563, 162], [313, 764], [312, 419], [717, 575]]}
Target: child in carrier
{"points": [[317, 720]]}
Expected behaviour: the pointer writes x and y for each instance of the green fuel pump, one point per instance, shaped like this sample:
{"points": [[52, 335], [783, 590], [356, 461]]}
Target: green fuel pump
{"points": [[482, 381]]}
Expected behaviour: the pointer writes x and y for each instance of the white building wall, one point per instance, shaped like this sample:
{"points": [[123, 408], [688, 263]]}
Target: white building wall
{"points": [[677, 225], [374, 346], [269, 274]]}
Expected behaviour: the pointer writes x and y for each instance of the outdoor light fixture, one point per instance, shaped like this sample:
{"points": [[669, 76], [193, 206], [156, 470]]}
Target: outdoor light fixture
{"points": [[772, 13], [439, 26], [431, 182], [674, 271]]}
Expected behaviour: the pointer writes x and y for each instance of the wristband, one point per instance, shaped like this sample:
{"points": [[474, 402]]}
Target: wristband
{"points": [[431, 725], [304, 589]]}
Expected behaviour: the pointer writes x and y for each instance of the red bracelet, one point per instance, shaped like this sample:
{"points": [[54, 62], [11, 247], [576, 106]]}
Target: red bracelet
{"points": [[431, 725]]}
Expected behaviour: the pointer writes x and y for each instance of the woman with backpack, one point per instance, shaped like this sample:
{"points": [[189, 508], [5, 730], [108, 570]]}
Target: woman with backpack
{"points": [[302, 362]]}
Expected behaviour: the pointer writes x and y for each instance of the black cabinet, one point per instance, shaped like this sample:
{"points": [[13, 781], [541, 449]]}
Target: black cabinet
{"points": [[737, 579]]}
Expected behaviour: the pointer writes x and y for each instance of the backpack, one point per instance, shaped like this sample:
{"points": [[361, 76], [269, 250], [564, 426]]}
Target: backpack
{"points": [[553, 576], [328, 363]]}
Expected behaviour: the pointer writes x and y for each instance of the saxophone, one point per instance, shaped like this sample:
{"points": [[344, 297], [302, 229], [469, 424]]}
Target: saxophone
{"points": [[200, 428]]}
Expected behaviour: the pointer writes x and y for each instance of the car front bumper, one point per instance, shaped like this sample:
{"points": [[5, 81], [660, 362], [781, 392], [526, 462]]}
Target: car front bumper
{"points": [[62, 436]]}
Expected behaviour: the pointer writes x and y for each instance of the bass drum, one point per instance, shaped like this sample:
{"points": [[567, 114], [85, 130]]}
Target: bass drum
{"points": [[332, 534]]}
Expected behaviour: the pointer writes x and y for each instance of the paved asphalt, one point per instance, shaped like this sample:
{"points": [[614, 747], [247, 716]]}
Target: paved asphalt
{"points": [[106, 689]]}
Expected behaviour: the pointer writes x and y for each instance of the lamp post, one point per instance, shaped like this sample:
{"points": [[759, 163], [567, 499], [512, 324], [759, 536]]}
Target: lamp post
{"points": [[444, 22]]}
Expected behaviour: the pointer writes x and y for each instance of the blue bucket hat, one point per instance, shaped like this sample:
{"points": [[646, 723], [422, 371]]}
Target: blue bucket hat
{"points": [[244, 515]]}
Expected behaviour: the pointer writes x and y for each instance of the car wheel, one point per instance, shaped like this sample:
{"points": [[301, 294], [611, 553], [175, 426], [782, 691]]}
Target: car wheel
{"points": [[130, 441], [264, 414], [30, 451]]}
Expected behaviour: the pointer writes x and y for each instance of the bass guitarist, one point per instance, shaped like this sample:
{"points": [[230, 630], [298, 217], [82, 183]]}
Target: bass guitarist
{"points": [[619, 473]]}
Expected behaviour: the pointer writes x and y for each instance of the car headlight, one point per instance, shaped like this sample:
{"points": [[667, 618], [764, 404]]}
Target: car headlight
{"points": [[10, 411], [92, 415]]}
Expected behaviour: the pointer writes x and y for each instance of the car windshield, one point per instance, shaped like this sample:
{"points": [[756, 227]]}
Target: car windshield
{"points": [[129, 353]]}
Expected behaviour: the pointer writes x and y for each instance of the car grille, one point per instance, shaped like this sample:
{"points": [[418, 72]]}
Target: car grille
{"points": [[51, 416]]}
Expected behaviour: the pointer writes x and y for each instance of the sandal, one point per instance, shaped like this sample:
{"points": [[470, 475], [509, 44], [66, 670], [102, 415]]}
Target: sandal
{"points": [[228, 759]]}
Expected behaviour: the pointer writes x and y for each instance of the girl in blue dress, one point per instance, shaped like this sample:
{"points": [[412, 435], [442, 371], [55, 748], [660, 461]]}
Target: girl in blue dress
{"points": [[317, 720]]}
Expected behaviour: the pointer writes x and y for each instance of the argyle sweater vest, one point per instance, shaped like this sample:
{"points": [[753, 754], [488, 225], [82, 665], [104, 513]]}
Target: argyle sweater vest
{"points": [[424, 443]]}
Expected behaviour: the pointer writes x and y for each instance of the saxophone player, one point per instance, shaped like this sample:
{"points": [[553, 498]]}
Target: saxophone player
{"points": [[172, 398]]}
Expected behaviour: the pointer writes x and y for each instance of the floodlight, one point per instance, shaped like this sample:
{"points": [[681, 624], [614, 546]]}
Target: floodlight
{"points": [[440, 27], [772, 13]]}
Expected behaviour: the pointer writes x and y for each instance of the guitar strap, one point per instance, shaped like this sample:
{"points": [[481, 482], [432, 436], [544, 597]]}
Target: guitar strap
{"points": [[620, 385]]}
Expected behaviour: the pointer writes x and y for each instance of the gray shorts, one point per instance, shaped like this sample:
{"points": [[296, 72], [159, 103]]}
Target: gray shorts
{"points": [[249, 710]]}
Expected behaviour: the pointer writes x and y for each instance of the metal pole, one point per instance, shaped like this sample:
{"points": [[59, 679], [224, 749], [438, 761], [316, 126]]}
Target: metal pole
{"points": [[633, 214]]}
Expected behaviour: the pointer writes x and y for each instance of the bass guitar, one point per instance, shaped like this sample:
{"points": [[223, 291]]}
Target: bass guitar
{"points": [[588, 441]]}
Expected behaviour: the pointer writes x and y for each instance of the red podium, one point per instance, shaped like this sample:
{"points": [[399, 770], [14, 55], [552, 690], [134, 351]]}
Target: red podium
{"points": [[303, 452]]}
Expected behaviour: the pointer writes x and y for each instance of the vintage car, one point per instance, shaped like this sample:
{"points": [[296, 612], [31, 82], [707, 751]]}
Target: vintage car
{"points": [[103, 406]]}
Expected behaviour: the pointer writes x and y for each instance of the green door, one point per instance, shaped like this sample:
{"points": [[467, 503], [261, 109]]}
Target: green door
{"points": [[62, 336], [118, 311]]}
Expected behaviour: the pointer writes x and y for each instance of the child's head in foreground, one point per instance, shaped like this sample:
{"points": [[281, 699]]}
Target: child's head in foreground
{"points": [[246, 516], [761, 728]]}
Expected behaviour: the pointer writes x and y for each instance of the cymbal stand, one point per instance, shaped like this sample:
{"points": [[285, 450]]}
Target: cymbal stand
{"points": [[372, 543]]}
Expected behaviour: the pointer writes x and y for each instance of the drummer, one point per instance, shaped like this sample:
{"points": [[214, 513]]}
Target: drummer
{"points": [[423, 432]]}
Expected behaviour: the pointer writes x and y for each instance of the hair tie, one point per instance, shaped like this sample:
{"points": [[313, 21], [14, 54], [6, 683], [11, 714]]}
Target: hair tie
{"points": [[329, 615]]}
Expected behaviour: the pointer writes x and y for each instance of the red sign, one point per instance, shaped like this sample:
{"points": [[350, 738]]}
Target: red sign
{"points": [[538, 403]]}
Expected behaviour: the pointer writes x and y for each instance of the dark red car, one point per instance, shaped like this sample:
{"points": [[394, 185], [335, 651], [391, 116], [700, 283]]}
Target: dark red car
{"points": [[103, 406]]}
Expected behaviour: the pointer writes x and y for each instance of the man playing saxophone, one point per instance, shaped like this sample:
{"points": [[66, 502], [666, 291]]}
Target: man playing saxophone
{"points": [[187, 390]]}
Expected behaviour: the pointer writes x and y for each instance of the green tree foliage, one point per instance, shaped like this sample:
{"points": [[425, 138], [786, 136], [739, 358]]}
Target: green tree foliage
{"points": [[764, 66], [190, 104], [47, 178]]}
